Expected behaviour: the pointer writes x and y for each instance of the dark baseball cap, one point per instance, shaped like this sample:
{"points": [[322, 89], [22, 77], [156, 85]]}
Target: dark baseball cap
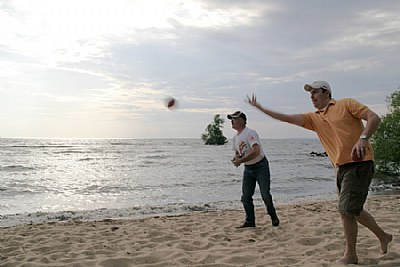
{"points": [[237, 114]]}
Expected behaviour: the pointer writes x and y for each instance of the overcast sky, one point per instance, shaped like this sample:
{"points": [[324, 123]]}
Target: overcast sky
{"points": [[99, 68]]}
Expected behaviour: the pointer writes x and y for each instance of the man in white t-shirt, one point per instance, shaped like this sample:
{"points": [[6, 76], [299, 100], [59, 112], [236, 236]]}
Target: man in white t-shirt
{"points": [[248, 150]]}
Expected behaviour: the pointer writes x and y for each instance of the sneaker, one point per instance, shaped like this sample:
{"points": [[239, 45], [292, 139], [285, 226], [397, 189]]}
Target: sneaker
{"points": [[275, 220], [247, 224]]}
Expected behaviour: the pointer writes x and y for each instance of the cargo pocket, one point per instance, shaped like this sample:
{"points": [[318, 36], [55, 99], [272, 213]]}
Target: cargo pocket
{"points": [[355, 203]]}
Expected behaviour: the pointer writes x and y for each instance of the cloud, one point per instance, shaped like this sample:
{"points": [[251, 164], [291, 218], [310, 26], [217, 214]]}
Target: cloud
{"points": [[104, 67]]}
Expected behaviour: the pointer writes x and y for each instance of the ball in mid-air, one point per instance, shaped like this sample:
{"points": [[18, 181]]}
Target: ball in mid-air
{"points": [[171, 103]]}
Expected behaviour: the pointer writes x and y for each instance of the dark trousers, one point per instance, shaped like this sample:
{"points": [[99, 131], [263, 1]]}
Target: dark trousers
{"points": [[256, 173]]}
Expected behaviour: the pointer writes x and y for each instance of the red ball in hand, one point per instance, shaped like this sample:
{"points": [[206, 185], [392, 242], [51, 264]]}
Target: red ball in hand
{"points": [[356, 158]]}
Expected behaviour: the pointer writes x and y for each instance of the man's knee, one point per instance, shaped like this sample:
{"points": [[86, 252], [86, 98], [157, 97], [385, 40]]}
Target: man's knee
{"points": [[247, 199], [347, 216]]}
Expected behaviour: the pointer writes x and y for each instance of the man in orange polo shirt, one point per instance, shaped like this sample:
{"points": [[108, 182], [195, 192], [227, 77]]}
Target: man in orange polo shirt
{"points": [[338, 124]]}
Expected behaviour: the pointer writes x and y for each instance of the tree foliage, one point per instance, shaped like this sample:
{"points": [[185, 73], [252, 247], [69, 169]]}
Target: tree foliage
{"points": [[213, 134], [386, 140]]}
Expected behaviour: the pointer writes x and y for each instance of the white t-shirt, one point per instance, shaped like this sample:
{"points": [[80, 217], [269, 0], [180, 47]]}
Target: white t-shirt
{"points": [[243, 143]]}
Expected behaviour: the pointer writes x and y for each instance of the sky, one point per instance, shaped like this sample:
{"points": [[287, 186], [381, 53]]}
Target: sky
{"points": [[103, 69]]}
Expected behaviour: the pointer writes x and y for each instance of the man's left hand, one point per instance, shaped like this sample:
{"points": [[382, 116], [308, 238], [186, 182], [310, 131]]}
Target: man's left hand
{"points": [[359, 150], [236, 161]]}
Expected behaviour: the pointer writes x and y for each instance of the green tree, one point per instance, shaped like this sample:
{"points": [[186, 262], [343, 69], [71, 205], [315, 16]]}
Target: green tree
{"points": [[386, 141], [213, 134]]}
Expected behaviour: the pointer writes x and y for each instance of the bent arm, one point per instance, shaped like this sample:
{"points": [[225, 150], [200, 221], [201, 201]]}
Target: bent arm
{"points": [[296, 119], [255, 151], [373, 121]]}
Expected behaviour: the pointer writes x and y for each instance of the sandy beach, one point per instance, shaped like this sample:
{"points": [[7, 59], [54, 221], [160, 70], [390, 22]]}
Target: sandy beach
{"points": [[310, 234]]}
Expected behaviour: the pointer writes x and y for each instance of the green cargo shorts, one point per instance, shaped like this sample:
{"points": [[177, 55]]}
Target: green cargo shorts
{"points": [[353, 181]]}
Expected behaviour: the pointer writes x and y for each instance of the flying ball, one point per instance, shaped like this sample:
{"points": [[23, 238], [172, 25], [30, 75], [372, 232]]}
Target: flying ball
{"points": [[171, 103]]}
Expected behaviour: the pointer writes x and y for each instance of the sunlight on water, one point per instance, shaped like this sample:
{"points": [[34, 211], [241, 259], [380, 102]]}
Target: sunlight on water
{"points": [[79, 175]]}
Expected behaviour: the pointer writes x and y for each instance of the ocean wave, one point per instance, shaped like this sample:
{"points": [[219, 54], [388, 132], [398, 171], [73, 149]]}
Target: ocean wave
{"points": [[385, 187], [122, 144], [155, 157], [39, 146], [86, 159], [17, 168], [22, 189], [68, 152], [314, 178]]}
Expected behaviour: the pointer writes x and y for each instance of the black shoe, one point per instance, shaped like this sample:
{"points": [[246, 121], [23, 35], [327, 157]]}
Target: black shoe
{"points": [[275, 220], [247, 224]]}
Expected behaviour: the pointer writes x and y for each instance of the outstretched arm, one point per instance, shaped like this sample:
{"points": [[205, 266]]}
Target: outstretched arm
{"points": [[296, 119]]}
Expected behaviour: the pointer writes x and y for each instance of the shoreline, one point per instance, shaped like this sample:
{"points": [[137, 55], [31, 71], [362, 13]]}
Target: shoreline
{"points": [[310, 234], [132, 213]]}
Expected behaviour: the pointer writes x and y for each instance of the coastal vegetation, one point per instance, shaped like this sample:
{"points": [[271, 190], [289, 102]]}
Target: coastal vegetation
{"points": [[386, 141], [213, 134]]}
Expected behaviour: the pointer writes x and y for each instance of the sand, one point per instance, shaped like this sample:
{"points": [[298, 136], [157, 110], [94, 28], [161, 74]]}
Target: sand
{"points": [[310, 234]]}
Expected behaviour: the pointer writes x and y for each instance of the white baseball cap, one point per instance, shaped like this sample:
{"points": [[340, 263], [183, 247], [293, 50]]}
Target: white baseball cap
{"points": [[318, 85]]}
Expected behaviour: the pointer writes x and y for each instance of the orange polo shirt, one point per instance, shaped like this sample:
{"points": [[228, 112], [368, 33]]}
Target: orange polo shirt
{"points": [[339, 128]]}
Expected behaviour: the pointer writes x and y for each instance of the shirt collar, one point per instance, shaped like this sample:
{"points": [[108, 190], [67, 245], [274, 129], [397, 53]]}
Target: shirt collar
{"points": [[331, 102]]}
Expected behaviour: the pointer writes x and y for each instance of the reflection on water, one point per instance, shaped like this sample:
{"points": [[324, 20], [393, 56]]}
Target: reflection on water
{"points": [[141, 176]]}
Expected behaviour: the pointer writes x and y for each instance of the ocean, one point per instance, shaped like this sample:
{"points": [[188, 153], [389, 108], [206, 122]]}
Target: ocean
{"points": [[43, 180]]}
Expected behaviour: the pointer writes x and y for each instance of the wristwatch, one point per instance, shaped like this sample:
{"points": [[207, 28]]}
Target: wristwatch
{"points": [[364, 137]]}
